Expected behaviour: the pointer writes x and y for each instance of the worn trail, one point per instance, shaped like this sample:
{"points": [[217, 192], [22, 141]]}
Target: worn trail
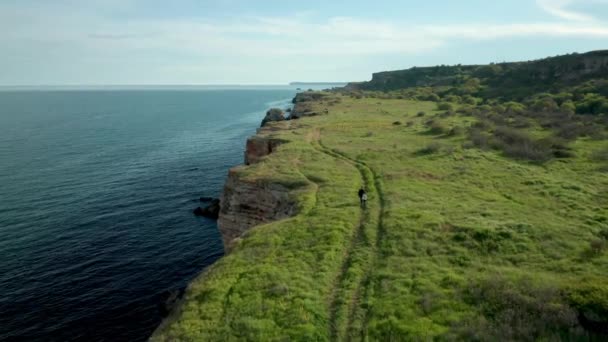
{"points": [[347, 320]]}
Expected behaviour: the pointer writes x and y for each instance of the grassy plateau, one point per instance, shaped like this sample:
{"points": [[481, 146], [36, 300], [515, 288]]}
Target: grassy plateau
{"points": [[457, 242]]}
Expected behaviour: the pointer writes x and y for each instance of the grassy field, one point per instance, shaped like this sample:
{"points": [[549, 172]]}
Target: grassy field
{"points": [[456, 242]]}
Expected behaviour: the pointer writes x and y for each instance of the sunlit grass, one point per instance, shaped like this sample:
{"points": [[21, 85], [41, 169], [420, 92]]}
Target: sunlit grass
{"points": [[439, 225]]}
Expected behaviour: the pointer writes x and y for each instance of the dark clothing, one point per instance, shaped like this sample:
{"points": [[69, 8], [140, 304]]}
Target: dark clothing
{"points": [[362, 197]]}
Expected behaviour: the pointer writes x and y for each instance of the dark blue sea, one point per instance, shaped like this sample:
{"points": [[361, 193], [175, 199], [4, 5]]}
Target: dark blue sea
{"points": [[97, 189]]}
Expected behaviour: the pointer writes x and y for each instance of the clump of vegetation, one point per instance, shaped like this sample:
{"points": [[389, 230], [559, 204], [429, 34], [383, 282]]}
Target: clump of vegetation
{"points": [[597, 246], [436, 127], [456, 131], [397, 123], [445, 106], [518, 144], [420, 114], [517, 310], [600, 155], [431, 148]]}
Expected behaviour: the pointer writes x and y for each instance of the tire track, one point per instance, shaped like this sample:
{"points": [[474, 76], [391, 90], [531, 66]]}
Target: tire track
{"points": [[353, 279]]}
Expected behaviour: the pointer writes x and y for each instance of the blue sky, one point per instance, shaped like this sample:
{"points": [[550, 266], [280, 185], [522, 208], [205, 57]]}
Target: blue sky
{"points": [[80, 42]]}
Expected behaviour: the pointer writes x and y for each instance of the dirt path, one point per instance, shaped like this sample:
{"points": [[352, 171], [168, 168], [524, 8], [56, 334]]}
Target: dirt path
{"points": [[347, 317]]}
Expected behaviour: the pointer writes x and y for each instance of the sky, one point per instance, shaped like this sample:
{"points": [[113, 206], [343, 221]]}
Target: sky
{"points": [[192, 42]]}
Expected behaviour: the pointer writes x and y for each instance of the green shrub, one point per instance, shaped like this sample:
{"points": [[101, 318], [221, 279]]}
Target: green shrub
{"points": [[546, 104], [516, 310], [514, 107], [468, 99], [567, 107], [480, 139], [445, 106], [420, 114], [590, 298], [527, 150], [436, 127], [453, 98], [431, 148], [600, 155], [592, 104], [455, 131], [597, 246]]}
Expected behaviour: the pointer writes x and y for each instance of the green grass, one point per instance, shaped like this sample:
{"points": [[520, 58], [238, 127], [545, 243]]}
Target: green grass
{"points": [[448, 240]]}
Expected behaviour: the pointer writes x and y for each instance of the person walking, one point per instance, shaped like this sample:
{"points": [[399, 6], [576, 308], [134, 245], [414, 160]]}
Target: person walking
{"points": [[362, 197]]}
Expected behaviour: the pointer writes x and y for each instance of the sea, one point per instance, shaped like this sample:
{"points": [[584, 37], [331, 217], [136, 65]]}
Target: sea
{"points": [[97, 189]]}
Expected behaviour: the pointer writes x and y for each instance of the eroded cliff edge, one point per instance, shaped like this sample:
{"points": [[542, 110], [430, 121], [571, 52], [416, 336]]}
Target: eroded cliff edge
{"points": [[249, 202]]}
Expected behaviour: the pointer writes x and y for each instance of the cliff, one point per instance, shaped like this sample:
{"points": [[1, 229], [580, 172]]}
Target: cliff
{"points": [[246, 204], [259, 146], [514, 80], [249, 202]]}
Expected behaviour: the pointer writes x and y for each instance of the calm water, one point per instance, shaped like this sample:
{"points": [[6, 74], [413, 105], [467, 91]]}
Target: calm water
{"points": [[96, 194]]}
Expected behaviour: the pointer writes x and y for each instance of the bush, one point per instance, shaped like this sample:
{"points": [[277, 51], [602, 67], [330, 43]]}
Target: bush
{"points": [[520, 122], [456, 131], [529, 151], [397, 123], [510, 136], [514, 143], [430, 149], [545, 104], [567, 107], [480, 139], [445, 106], [590, 298], [453, 98], [514, 107], [600, 155], [520, 310], [470, 100], [420, 114], [436, 127], [482, 125], [597, 246], [592, 104]]}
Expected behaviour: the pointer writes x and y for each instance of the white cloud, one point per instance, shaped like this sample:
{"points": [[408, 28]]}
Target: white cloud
{"points": [[60, 35], [559, 8]]}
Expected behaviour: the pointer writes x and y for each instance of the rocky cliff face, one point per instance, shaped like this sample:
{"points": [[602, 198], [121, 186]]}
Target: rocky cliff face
{"points": [[247, 203], [258, 147], [302, 104]]}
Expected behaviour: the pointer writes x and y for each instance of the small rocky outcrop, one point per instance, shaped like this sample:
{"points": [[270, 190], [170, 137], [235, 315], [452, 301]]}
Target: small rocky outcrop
{"points": [[302, 104], [274, 114], [211, 211], [258, 147]]}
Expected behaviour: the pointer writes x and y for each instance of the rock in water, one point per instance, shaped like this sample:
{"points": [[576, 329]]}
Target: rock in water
{"points": [[211, 211], [168, 301], [274, 114]]}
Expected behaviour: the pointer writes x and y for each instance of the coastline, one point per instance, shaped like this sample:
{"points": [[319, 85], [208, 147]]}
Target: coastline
{"points": [[238, 211], [339, 270]]}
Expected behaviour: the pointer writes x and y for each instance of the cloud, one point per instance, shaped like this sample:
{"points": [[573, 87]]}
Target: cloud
{"points": [[91, 39], [340, 36], [559, 8]]}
